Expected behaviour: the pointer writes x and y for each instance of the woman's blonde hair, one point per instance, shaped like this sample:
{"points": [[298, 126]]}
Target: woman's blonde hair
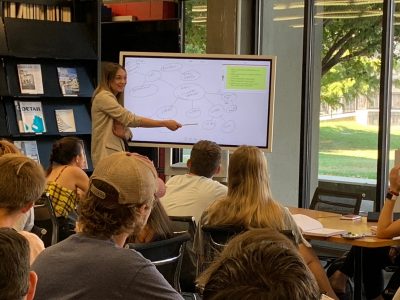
{"points": [[8, 147], [108, 73], [249, 202]]}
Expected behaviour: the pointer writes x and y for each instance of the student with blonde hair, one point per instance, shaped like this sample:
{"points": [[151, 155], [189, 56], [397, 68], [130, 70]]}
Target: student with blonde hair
{"points": [[22, 184], [259, 264], [249, 204], [26, 220]]}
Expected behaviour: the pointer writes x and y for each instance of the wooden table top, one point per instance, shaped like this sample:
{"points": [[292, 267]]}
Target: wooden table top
{"points": [[315, 214], [360, 226]]}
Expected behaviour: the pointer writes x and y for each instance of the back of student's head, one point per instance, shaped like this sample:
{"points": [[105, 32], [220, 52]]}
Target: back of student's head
{"points": [[22, 181], [119, 185], [205, 158], [14, 265], [65, 150], [248, 172], [259, 264], [7, 147]]}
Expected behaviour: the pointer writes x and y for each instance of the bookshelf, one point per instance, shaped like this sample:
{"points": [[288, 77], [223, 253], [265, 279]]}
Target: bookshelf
{"points": [[51, 40]]}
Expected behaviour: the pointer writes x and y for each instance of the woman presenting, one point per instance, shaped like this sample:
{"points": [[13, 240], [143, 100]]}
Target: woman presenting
{"points": [[110, 120]]}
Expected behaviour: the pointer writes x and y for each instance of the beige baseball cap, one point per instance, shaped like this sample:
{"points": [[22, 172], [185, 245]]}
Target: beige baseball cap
{"points": [[132, 175]]}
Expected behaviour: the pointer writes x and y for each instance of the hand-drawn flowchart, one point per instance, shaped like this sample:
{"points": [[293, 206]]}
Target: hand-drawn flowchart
{"points": [[223, 100]]}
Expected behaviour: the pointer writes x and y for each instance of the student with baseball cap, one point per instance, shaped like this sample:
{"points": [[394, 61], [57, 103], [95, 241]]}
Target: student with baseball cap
{"points": [[93, 264]]}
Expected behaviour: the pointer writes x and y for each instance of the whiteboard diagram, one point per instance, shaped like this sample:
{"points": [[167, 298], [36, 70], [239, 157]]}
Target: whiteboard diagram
{"points": [[223, 100]]}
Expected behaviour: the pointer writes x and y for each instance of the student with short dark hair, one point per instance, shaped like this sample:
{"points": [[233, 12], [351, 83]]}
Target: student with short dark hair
{"points": [[192, 193], [22, 183], [256, 265], [16, 280], [93, 264]]}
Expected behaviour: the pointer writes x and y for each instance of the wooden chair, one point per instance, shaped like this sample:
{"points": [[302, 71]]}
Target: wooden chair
{"points": [[337, 201], [166, 255]]}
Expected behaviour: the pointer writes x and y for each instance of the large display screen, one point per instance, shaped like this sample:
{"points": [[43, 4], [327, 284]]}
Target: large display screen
{"points": [[227, 99]]}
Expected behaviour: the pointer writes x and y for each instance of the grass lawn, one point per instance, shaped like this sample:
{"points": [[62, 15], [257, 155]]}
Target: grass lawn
{"points": [[349, 149]]}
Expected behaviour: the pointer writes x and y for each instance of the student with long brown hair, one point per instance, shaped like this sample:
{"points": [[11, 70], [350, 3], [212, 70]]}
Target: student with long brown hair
{"points": [[66, 181], [249, 204]]}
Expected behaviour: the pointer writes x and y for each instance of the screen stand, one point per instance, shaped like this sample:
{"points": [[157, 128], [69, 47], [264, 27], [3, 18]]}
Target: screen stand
{"points": [[180, 168]]}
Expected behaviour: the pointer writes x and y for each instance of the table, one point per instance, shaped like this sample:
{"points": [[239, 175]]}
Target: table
{"points": [[315, 214], [360, 226]]}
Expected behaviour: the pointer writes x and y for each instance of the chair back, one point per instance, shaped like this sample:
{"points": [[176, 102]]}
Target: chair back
{"points": [[337, 201], [220, 235], [182, 224], [166, 255], [45, 217]]}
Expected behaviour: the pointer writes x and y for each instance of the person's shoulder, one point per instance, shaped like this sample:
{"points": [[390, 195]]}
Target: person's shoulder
{"points": [[103, 95], [176, 179], [75, 171], [31, 237], [36, 245]]}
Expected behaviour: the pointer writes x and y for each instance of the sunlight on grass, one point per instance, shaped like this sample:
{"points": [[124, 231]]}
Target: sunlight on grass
{"points": [[349, 149]]}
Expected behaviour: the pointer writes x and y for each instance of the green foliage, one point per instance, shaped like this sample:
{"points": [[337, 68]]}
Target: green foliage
{"points": [[195, 33], [351, 53]]}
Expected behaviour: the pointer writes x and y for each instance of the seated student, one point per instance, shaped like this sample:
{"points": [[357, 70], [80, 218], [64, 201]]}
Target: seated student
{"points": [[259, 264], [22, 182], [374, 259], [93, 264], [66, 181], [17, 281], [249, 204], [158, 227], [26, 220], [191, 194]]}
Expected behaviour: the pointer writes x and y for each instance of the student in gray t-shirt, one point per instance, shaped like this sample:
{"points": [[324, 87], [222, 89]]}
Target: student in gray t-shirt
{"points": [[93, 264]]}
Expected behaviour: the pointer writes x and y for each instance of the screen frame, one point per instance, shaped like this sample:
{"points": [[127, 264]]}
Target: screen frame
{"points": [[272, 59]]}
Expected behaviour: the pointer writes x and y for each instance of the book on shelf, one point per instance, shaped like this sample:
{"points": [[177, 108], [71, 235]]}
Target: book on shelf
{"points": [[68, 79], [311, 226], [18, 117], [30, 78], [85, 163], [28, 148], [32, 116], [123, 18], [65, 120]]}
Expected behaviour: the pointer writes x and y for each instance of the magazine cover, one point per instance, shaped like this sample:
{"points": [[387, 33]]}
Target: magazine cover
{"points": [[29, 148], [65, 120], [19, 117], [32, 116], [85, 163], [30, 78], [68, 78]]}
